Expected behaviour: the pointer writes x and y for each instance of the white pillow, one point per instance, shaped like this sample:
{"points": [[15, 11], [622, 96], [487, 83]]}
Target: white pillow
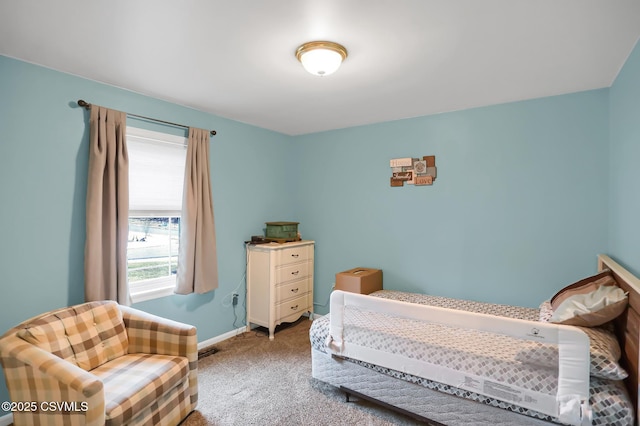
{"points": [[578, 305]]}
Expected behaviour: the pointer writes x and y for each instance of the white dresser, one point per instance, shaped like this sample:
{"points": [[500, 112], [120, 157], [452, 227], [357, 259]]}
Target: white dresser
{"points": [[279, 283]]}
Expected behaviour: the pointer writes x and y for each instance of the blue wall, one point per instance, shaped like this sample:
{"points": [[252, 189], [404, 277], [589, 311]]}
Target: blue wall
{"points": [[43, 166], [518, 209], [624, 166]]}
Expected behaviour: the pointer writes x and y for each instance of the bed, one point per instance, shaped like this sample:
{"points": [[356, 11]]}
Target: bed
{"points": [[387, 347]]}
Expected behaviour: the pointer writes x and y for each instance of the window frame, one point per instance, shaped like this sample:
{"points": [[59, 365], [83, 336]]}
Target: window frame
{"points": [[153, 288]]}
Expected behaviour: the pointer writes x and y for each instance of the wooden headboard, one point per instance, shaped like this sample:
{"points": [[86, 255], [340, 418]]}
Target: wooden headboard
{"points": [[628, 324]]}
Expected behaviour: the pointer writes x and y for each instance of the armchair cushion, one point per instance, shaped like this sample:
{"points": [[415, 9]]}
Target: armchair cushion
{"points": [[87, 335], [133, 382]]}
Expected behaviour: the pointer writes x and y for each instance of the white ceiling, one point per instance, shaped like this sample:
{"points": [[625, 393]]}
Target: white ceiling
{"points": [[407, 58]]}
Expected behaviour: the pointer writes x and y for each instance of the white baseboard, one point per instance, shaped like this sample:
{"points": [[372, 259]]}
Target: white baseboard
{"points": [[217, 339], [7, 419]]}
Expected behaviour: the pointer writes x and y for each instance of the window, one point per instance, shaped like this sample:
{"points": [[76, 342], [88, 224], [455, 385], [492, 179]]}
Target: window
{"points": [[156, 178]]}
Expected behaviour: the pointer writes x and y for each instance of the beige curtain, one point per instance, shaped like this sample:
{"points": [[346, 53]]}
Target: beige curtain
{"points": [[105, 259], [198, 263]]}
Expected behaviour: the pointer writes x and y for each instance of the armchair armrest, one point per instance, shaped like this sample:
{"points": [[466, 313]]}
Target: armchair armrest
{"points": [[152, 334], [44, 362], [39, 376]]}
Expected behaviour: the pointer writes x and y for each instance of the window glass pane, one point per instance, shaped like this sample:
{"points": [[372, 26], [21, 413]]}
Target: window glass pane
{"points": [[152, 249]]}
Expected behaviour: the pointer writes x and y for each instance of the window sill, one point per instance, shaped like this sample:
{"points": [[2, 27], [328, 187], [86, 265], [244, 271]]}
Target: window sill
{"points": [[142, 296], [152, 289]]}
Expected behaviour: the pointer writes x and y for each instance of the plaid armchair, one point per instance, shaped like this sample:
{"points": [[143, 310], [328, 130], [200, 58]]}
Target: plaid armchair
{"points": [[100, 363]]}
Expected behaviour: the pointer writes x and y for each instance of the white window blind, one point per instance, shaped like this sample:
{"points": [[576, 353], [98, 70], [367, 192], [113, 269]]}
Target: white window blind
{"points": [[156, 172]]}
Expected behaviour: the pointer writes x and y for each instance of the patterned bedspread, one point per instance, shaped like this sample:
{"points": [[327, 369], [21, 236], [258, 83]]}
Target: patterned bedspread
{"points": [[608, 398]]}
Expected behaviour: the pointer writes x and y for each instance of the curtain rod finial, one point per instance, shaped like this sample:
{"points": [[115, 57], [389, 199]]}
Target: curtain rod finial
{"points": [[84, 104]]}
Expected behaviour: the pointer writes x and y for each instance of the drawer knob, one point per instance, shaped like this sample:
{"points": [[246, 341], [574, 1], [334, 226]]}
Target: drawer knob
{"points": [[293, 308], [295, 290], [295, 272], [295, 255]]}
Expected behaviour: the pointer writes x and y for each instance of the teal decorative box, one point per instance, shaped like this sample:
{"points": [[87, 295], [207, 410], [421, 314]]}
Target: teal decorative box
{"points": [[282, 230]]}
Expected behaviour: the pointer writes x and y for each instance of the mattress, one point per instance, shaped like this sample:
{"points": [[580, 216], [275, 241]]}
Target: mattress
{"points": [[608, 398], [414, 398]]}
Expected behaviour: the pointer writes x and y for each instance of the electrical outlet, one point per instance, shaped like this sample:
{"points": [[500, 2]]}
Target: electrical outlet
{"points": [[235, 299]]}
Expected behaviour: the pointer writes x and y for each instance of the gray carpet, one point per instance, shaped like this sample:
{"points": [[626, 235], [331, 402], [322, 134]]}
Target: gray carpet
{"points": [[254, 381]]}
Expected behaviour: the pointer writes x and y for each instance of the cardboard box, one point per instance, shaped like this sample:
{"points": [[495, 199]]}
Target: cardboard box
{"points": [[359, 280]]}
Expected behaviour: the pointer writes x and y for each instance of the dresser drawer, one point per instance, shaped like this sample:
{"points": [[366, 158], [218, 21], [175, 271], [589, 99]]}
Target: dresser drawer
{"points": [[292, 289], [293, 255], [293, 306], [292, 272]]}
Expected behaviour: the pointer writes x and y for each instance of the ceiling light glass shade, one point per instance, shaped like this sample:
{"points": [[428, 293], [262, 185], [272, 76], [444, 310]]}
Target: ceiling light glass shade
{"points": [[321, 57]]}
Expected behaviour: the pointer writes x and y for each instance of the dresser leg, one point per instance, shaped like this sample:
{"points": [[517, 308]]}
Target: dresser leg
{"points": [[272, 330]]}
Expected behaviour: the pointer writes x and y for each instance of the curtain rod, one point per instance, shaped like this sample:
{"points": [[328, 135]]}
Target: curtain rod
{"points": [[87, 106]]}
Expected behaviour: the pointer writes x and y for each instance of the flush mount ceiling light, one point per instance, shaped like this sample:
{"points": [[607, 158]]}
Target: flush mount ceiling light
{"points": [[321, 57]]}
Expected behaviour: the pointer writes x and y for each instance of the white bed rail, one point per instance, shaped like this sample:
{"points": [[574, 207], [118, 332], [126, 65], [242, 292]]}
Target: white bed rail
{"points": [[571, 403]]}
